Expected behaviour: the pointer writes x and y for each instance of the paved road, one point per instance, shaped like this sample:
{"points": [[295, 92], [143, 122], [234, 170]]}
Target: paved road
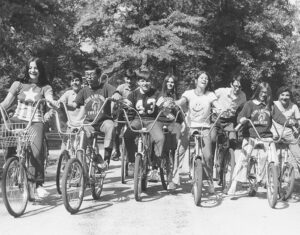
{"points": [[159, 212]]}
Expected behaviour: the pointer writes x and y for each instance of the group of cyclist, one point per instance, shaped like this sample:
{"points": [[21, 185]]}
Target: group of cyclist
{"points": [[85, 100]]}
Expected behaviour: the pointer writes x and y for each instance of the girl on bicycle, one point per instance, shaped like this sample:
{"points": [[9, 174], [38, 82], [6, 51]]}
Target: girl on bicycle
{"points": [[28, 90], [200, 101], [261, 111], [172, 120]]}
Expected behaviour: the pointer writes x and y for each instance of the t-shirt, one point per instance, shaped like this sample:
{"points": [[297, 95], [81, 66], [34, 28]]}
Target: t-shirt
{"points": [[292, 111], [261, 117], [93, 99], [145, 103], [199, 108], [228, 100], [28, 95], [69, 97]]}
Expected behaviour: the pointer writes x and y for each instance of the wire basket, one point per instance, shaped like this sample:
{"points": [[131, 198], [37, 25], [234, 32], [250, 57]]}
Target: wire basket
{"points": [[14, 134]]}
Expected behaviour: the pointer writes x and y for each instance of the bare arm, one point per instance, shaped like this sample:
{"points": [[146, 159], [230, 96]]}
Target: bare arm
{"points": [[7, 102]]}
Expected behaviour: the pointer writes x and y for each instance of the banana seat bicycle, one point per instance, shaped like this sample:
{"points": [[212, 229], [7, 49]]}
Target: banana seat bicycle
{"points": [[83, 170], [143, 156], [70, 139], [18, 178], [286, 168], [197, 164], [262, 170]]}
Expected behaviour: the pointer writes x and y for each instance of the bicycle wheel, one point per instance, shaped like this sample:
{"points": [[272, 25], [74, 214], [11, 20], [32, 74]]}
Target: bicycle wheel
{"points": [[124, 163], [15, 187], [62, 161], [73, 185], [97, 184], [287, 181], [272, 184], [197, 186], [138, 177], [165, 170], [227, 171]]}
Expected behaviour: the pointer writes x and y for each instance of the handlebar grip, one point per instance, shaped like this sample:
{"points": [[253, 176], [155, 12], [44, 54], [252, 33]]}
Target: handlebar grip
{"points": [[238, 127]]}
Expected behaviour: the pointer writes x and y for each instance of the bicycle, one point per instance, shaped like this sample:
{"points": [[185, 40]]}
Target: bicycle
{"points": [[143, 158], [83, 171], [259, 167], [196, 162], [286, 169], [71, 138], [18, 180]]}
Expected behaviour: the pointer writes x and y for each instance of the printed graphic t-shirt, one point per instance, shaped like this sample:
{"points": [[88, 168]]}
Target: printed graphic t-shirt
{"points": [[199, 108], [93, 99], [28, 95]]}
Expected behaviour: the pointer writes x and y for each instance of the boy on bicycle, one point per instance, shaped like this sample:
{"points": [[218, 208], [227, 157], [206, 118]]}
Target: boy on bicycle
{"points": [[91, 98]]}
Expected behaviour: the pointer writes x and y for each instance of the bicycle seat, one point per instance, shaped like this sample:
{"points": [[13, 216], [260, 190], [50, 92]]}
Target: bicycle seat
{"points": [[195, 132]]}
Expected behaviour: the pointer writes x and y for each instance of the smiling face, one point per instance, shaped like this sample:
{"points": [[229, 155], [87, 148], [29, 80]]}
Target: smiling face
{"points": [[91, 78], [170, 83], [285, 98], [76, 84], [202, 81], [263, 95], [33, 72], [144, 84], [236, 87]]}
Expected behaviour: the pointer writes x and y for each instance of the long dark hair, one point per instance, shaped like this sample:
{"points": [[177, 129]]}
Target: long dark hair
{"points": [[209, 85], [260, 86], [43, 79], [169, 93]]}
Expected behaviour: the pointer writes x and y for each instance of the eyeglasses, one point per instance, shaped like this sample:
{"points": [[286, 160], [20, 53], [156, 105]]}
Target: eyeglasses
{"points": [[91, 74], [75, 80]]}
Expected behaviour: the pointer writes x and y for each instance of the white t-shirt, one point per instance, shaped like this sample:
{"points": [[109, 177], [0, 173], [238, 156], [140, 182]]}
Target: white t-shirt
{"points": [[199, 108]]}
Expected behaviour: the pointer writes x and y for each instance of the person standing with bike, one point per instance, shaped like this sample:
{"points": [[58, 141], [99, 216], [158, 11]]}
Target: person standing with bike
{"points": [[124, 89], [28, 91], [144, 100], [261, 111], [92, 97], [231, 99], [291, 112], [200, 101]]}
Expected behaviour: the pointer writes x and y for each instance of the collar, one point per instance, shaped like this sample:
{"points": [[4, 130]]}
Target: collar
{"points": [[257, 102]]}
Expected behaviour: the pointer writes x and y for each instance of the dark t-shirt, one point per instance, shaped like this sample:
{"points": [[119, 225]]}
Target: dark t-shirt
{"points": [[93, 99], [145, 104]]}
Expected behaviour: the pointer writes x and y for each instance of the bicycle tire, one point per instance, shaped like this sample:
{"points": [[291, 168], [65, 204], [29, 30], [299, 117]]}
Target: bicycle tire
{"points": [[272, 184], [138, 177], [124, 163], [165, 170], [62, 161], [97, 184], [227, 171], [15, 187], [198, 183], [73, 180], [287, 181]]}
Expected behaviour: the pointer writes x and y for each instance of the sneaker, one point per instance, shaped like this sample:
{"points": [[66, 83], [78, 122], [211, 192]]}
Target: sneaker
{"points": [[130, 169], [172, 186], [153, 176], [211, 188], [104, 165], [116, 156], [41, 192]]}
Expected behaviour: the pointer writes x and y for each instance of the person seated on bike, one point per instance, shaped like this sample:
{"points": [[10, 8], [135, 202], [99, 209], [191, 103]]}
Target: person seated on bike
{"points": [[199, 102], [172, 119], [261, 111], [28, 91], [144, 100], [290, 111], [91, 99], [230, 99], [125, 89]]}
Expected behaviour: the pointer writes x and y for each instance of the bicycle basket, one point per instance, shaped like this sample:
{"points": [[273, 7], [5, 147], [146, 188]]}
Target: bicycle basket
{"points": [[14, 134]]}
